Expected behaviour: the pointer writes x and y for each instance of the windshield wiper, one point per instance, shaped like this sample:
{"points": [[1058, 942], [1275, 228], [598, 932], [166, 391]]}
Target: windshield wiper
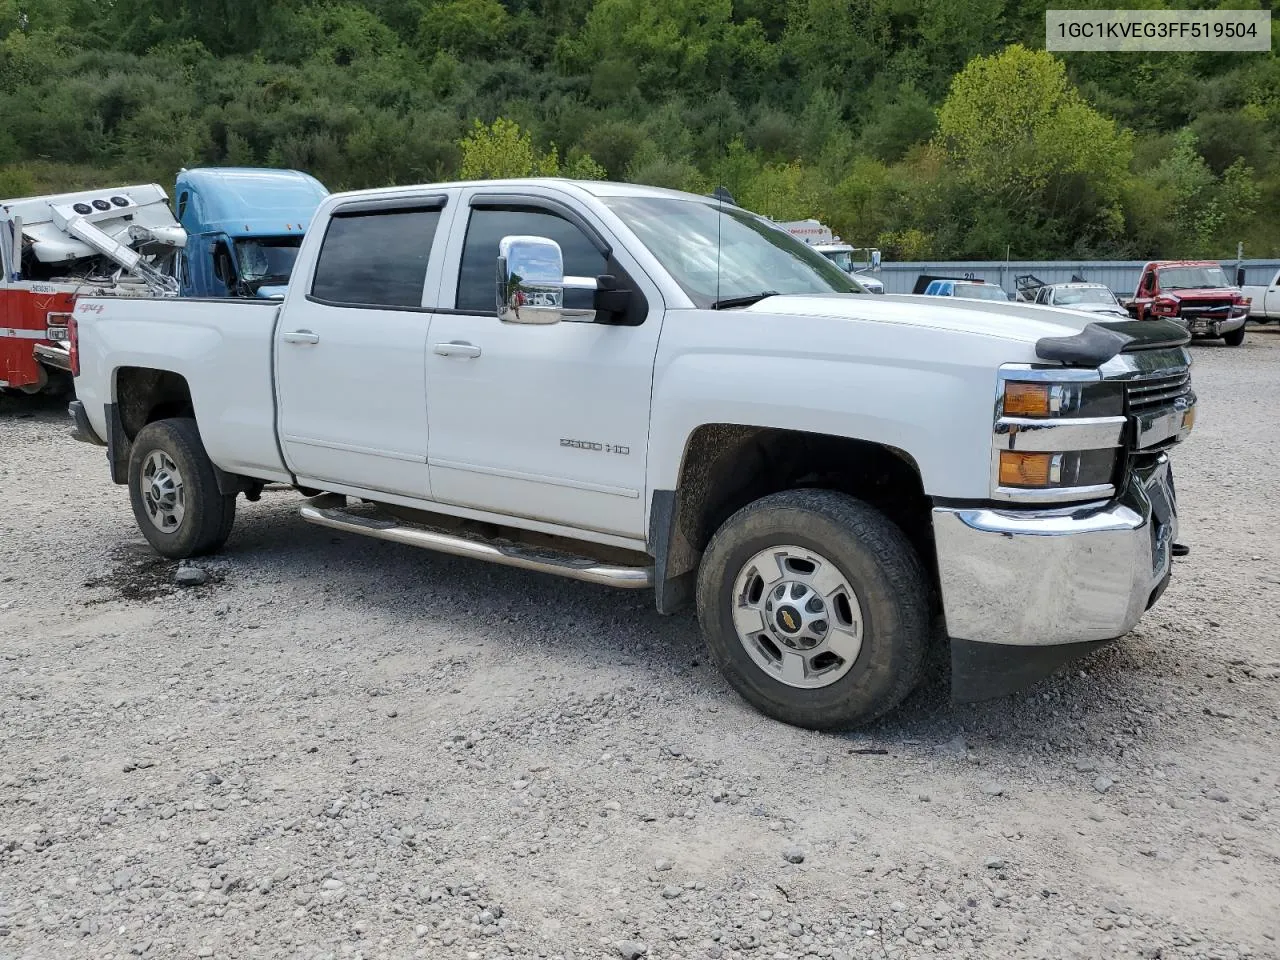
{"points": [[274, 278], [743, 301]]}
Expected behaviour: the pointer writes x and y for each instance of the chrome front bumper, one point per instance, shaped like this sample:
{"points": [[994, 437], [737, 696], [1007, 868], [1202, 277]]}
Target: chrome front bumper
{"points": [[1044, 577]]}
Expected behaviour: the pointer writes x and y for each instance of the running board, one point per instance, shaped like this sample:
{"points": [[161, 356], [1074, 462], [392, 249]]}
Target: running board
{"points": [[510, 555]]}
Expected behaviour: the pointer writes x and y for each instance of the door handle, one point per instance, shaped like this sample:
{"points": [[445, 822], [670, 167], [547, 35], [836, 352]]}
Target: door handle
{"points": [[457, 348], [301, 336]]}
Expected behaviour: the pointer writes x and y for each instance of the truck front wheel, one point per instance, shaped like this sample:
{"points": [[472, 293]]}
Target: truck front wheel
{"points": [[815, 608], [1234, 338], [174, 492]]}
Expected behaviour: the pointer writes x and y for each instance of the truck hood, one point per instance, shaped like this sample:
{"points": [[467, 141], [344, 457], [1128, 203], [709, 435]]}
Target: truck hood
{"points": [[1105, 309], [1021, 322]]}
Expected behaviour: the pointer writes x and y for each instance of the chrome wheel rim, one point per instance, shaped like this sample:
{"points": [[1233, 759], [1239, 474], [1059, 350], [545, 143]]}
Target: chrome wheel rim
{"points": [[797, 616], [162, 490]]}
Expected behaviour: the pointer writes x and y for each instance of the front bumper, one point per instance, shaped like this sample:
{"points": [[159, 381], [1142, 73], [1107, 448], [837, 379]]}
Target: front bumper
{"points": [[1035, 578], [1211, 328]]}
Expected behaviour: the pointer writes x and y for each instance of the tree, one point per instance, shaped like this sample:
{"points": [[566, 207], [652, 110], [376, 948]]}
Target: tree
{"points": [[1021, 138], [502, 150], [463, 27], [664, 46]]}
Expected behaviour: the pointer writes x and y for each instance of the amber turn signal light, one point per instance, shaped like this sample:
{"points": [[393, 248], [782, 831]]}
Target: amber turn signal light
{"points": [[1026, 400], [1029, 469], [1189, 419]]}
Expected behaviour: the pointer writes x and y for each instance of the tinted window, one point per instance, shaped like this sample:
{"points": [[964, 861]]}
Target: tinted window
{"points": [[478, 275], [376, 259]]}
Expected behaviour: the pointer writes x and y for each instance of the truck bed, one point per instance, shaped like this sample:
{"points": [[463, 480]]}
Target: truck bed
{"points": [[223, 349]]}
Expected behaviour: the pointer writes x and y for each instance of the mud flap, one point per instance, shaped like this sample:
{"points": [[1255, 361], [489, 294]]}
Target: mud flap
{"points": [[985, 671]]}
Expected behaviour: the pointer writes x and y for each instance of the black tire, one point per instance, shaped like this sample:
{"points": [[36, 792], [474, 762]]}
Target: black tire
{"points": [[1234, 338], [207, 515], [880, 565]]}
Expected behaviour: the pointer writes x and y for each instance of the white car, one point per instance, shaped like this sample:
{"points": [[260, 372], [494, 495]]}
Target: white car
{"points": [[1095, 298], [652, 389]]}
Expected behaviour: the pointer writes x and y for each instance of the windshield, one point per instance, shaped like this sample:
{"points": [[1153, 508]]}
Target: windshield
{"points": [[843, 260], [1084, 295], [267, 258], [1190, 278], [691, 238], [980, 291]]}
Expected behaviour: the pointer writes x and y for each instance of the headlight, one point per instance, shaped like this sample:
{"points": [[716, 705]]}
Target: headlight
{"points": [[1057, 436], [1042, 398], [1049, 471]]}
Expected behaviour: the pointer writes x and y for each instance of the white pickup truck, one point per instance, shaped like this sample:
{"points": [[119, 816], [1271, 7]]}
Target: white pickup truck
{"points": [[1264, 299], [651, 389]]}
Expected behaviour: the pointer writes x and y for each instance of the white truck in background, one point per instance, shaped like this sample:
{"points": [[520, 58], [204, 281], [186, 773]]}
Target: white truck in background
{"points": [[650, 389], [859, 262], [1264, 305]]}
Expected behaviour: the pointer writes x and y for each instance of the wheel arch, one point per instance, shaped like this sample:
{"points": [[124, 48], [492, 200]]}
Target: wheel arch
{"points": [[726, 466]]}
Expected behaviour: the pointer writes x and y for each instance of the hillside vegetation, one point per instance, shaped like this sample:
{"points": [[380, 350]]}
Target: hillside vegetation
{"points": [[933, 128]]}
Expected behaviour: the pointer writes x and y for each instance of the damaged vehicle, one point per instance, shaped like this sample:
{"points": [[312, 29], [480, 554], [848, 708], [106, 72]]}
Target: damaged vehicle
{"points": [[119, 241]]}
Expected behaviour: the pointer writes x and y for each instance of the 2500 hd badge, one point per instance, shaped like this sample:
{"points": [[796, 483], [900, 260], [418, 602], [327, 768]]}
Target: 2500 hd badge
{"points": [[598, 447]]}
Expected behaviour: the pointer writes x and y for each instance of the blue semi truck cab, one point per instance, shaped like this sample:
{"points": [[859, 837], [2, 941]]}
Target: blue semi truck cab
{"points": [[244, 226]]}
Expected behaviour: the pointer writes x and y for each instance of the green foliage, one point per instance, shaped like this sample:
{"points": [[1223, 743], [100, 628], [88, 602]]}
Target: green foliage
{"points": [[463, 27], [1022, 140], [912, 126], [502, 150], [16, 182]]}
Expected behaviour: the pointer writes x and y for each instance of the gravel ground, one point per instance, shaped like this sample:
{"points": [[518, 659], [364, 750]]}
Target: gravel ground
{"points": [[343, 748]]}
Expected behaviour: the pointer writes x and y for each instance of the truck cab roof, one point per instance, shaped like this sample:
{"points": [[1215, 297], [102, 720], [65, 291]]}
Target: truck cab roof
{"points": [[246, 201]]}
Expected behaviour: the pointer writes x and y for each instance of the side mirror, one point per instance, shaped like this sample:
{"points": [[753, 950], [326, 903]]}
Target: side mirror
{"points": [[531, 283], [1240, 276], [530, 280]]}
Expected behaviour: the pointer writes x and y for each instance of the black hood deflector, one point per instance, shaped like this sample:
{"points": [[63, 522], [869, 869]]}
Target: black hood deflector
{"points": [[1099, 342]]}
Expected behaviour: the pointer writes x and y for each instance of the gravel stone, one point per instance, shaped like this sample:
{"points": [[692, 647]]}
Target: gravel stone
{"points": [[190, 576], [793, 855], [331, 830]]}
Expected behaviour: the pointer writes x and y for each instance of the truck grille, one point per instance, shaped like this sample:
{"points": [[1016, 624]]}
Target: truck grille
{"points": [[1154, 392], [1206, 309]]}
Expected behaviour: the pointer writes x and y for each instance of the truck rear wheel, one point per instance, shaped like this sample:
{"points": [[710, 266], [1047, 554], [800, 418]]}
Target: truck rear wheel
{"points": [[1234, 338], [815, 608], [174, 492]]}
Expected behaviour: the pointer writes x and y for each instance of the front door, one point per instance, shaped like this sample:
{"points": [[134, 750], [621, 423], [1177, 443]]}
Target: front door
{"points": [[1271, 298], [548, 422], [351, 352]]}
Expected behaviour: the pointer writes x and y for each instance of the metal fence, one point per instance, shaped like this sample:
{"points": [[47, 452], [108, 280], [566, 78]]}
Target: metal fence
{"points": [[1120, 275]]}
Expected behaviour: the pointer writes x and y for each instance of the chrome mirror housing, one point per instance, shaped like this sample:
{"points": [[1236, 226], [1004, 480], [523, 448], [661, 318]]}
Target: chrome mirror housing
{"points": [[530, 280]]}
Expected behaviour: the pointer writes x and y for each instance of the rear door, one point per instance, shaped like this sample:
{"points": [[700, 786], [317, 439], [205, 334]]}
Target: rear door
{"points": [[350, 354]]}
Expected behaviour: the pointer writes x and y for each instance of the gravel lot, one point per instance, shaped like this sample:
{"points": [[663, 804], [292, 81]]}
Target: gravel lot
{"points": [[345, 748]]}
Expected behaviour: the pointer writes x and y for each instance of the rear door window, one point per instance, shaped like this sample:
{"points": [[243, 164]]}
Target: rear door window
{"points": [[376, 259]]}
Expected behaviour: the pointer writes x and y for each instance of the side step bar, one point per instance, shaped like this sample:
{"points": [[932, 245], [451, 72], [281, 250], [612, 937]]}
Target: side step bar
{"points": [[511, 555]]}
